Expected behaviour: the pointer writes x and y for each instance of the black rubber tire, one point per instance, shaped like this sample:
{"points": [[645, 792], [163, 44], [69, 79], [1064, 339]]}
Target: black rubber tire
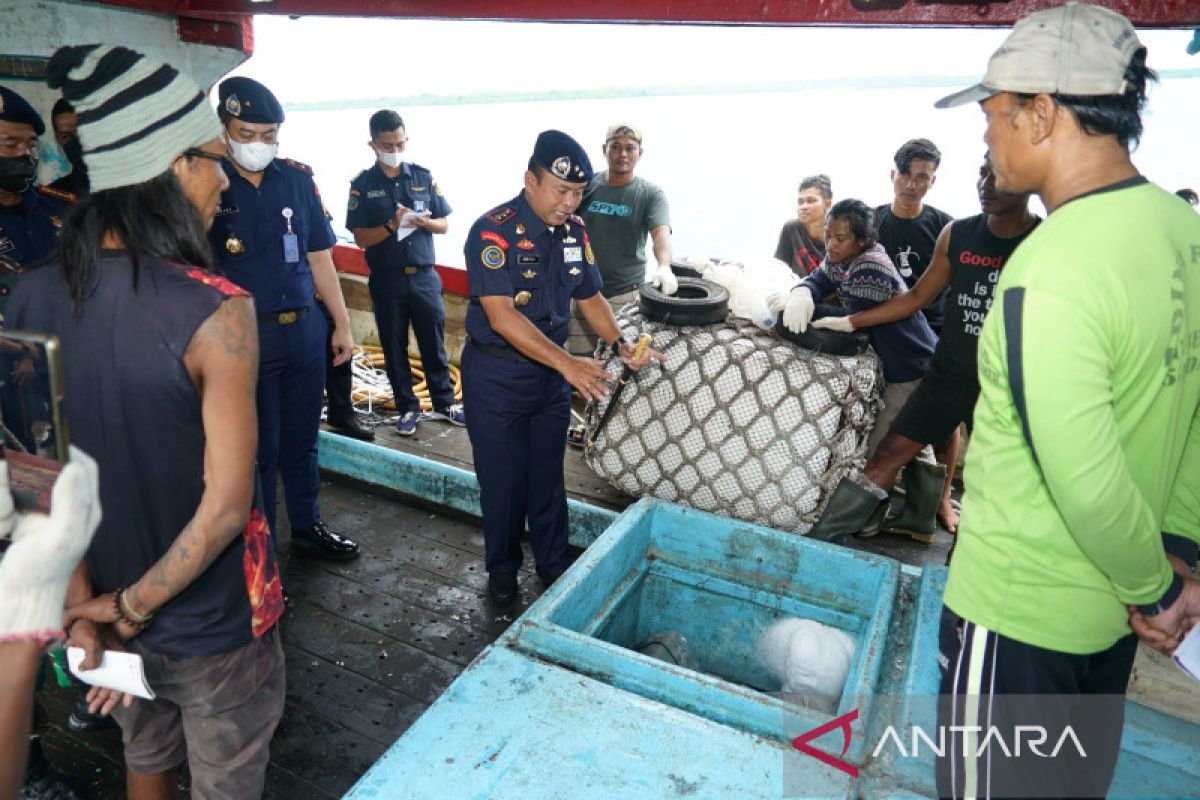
{"points": [[834, 343], [683, 270], [697, 302]]}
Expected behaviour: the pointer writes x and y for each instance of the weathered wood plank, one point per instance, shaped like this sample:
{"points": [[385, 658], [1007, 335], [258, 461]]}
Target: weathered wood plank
{"points": [[283, 784], [342, 697], [321, 752], [377, 656], [446, 636]]}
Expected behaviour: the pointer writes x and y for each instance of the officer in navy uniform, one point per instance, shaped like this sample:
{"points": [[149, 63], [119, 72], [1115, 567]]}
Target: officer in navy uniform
{"points": [[391, 196], [526, 260], [30, 216], [272, 237]]}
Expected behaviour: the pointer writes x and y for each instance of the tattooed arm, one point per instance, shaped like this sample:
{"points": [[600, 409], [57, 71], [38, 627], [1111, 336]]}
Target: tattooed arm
{"points": [[222, 359]]}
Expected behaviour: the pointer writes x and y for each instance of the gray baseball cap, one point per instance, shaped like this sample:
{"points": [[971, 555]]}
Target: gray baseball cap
{"points": [[1075, 49]]}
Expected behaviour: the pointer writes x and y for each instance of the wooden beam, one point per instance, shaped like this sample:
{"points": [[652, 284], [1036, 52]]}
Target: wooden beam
{"points": [[1143, 13]]}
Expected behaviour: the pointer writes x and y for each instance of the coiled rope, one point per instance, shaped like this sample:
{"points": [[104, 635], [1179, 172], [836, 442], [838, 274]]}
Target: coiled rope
{"points": [[372, 393]]}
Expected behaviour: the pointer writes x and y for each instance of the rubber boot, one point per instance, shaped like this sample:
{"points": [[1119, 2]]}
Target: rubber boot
{"points": [[923, 493], [852, 510]]}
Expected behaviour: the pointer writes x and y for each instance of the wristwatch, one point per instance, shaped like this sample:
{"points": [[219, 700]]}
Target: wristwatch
{"points": [[1167, 600], [615, 346], [387, 226]]}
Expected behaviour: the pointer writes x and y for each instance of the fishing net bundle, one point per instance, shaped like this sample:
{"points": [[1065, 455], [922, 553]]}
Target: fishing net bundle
{"points": [[738, 422]]}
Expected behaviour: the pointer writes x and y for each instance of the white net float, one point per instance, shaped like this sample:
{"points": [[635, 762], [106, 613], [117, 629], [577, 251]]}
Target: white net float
{"points": [[739, 422]]}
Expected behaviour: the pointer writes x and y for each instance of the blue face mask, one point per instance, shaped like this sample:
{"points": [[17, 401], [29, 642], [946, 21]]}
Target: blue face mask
{"points": [[17, 172]]}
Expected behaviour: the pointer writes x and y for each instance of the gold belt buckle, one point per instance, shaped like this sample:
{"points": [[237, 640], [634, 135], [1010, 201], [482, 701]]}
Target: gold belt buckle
{"points": [[288, 317], [410, 270]]}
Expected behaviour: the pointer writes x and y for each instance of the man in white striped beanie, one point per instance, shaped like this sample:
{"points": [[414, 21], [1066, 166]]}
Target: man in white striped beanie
{"points": [[135, 115], [160, 360]]}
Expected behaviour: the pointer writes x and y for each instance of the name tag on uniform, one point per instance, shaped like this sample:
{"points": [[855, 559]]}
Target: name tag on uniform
{"points": [[291, 245], [291, 248], [376, 193], [571, 254]]}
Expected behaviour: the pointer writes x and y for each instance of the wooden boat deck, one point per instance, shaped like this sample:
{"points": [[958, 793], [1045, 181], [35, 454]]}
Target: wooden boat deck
{"points": [[372, 643]]}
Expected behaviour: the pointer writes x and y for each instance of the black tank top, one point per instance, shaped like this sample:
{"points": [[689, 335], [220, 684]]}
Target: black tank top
{"points": [[976, 258], [131, 405]]}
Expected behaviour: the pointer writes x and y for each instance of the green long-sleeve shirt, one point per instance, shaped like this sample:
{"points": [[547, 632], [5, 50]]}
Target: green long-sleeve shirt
{"points": [[1087, 439]]}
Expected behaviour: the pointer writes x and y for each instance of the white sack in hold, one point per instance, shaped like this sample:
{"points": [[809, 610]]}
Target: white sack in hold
{"points": [[807, 657]]}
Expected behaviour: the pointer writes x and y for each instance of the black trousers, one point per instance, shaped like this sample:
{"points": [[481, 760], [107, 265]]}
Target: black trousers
{"points": [[1042, 723], [338, 380]]}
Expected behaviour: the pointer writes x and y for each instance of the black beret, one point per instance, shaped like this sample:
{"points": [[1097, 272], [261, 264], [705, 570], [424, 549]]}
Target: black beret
{"points": [[562, 157], [248, 100], [14, 108]]}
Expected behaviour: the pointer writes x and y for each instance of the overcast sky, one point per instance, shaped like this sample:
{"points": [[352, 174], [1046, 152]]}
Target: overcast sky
{"points": [[314, 58]]}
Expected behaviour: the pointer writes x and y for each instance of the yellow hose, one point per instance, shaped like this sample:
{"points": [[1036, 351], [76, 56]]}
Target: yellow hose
{"points": [[365, 395]]}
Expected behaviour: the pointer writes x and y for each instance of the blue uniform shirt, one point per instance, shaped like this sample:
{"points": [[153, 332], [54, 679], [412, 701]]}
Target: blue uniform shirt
{"points": [[247, 234], [511, 252], [373, 199], [29, 232]]}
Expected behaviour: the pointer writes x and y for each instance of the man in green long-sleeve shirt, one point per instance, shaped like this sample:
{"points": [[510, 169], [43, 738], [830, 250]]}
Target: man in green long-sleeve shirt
{"points": [[1084, 469]]}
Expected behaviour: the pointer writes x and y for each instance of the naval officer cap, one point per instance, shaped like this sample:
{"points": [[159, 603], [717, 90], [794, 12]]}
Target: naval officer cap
{"points": [[14, 108], [248, 100], [562, 157]]}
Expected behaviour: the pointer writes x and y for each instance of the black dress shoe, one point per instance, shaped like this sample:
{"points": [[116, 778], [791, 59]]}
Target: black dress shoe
{"points": [[502, 587], [353, 427], [83, 721], [321, 542]]}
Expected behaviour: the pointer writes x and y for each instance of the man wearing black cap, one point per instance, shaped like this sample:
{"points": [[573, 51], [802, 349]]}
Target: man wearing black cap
{"points": [[30, 216], [526, 260], [272, 237], [1083, 479]]}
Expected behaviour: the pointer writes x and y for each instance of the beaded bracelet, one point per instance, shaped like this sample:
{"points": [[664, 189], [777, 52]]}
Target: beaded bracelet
{"points": [[126, 613]]}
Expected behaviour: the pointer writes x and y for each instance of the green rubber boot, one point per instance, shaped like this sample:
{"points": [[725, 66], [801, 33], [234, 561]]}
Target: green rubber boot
{"points": [[852, 510], [923, 493]]}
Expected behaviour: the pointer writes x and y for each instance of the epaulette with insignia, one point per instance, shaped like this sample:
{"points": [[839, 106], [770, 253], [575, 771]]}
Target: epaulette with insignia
{"points": [[299, 165], [501, 215], [50, 191]]}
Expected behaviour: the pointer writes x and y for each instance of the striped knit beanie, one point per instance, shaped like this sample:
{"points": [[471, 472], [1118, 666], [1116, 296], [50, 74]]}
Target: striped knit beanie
{"points": [[135, 115]]}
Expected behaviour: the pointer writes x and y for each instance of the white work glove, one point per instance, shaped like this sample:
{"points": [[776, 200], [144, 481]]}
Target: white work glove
{"points": [[665, 280], [842, 324], [36, 568], [798, 310]]}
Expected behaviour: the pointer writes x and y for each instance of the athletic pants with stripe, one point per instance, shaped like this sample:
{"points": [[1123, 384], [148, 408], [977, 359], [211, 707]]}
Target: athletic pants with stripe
{"points": [[992, 684]]}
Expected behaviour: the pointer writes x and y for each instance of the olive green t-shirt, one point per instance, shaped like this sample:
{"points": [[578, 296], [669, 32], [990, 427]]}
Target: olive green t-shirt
{"points": [[1087, 441], [618, 221]]}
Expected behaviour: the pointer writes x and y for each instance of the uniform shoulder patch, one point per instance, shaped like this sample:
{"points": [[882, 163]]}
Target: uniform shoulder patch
{"points": [[59, 194], [501, 215], [299, 165], [222, 285], [492, 257]]}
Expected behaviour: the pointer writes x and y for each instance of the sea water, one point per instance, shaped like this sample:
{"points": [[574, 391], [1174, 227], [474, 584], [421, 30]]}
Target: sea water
{"points": [[733, 117]]}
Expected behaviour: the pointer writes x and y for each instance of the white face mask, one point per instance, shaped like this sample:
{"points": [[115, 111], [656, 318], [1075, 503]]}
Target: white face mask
{"points": [[255, 156], [391, 160]]}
